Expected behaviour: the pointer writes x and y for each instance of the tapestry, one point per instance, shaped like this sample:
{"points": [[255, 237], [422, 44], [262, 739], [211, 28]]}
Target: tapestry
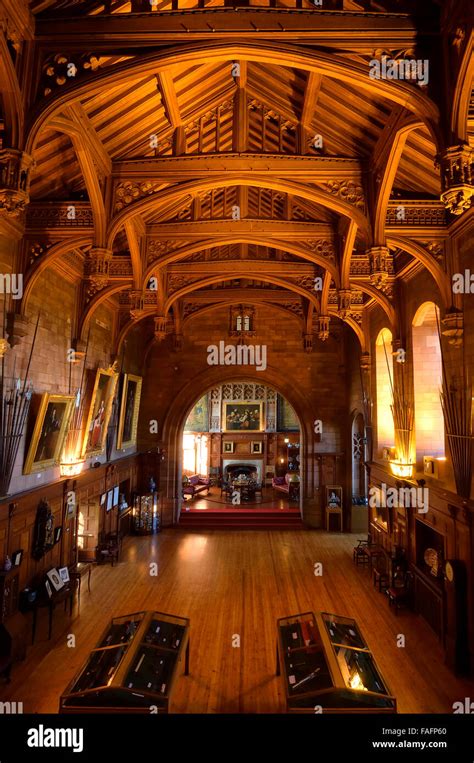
{"points": [[286, 416], [198, 419]]}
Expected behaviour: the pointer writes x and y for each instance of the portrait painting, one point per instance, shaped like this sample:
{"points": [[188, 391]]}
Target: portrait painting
{"points": [[129, 410], [228, 447], [242, 417], [334, 496], [50, 430], [99, 412]]}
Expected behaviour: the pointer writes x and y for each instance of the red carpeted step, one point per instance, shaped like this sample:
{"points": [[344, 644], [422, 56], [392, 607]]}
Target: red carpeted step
{"points": [[243, 519]]}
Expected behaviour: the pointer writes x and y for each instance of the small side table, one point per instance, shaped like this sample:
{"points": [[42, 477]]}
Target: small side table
{"points": [[336, 511], [77, 572], [64, 595]]}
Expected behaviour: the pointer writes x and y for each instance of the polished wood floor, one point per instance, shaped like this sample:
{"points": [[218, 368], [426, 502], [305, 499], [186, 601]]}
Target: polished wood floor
{"points": [[238, 583]]}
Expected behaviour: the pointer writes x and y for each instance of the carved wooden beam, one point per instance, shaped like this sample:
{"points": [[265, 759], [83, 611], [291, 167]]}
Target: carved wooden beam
{"points": [[134, 230], [310, 100], [79, 115], [173, 112]]}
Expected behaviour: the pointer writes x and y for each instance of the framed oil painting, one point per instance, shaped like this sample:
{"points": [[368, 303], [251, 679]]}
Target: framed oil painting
{"points": [[99, 412], [334, 496], [242, 417], [198, 419], [256, 446], [228, 447], [129, 409], [51, 426]]}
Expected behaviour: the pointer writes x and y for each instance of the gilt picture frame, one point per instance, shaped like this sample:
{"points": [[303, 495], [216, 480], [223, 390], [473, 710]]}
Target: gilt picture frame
{"points": [[50, 430], [242, 417], [100, 409], [129, 410]]}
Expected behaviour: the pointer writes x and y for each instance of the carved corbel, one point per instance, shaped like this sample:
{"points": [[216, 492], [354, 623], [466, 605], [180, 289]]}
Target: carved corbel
{"points": [[137, 304], [17, 326], [378, 261], [308, 342], [98, 266], [457, 174], [344, 303], [323, 332], [452, 327], [160, 328], [15, 172]]}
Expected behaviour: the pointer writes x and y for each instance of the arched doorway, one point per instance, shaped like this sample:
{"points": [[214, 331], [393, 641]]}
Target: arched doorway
{"points": [[241, 448], [171, 468]]}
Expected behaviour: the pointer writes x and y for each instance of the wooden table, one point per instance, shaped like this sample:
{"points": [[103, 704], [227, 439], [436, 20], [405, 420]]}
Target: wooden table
{"points": [[65, 594], [77, 572], [245, 488]]}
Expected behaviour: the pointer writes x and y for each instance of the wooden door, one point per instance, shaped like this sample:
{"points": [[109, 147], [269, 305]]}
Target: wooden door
{"points": [[88, 530]]}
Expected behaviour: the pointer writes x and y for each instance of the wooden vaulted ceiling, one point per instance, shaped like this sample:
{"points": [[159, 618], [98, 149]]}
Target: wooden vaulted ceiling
{"points": [[126, 116], [137, 120]]}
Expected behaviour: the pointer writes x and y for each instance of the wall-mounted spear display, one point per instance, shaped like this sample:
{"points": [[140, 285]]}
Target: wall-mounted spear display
{"points": [[403, 422], [15, 401], [456, 401]]}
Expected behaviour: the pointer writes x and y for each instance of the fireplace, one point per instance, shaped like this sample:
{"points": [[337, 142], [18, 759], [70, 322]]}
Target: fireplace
{"points": [[231, 469]]}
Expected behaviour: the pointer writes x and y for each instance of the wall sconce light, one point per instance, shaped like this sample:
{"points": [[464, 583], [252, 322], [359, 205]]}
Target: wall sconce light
{"points": [[401, 470], [287, 441], [71, 468]]}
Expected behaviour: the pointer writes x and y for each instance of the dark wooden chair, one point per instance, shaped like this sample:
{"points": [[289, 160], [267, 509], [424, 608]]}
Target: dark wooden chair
{"points": [[108, 549], [358, 555], [381, 574], [400, 595]]}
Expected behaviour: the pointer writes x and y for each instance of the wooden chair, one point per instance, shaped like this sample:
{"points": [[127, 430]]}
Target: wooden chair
{"points": [[380, 574], [399, 595], [108, 549], [358, 555]]}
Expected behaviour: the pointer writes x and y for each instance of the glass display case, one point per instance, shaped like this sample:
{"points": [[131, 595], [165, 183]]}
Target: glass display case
{"points": [[146, 520], [133, 668], [325, 662]]}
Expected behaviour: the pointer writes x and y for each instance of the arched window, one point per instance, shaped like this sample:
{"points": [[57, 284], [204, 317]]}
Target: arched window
{"points": [[427, 375], [246, 323], [384, 380], [238, 323]]}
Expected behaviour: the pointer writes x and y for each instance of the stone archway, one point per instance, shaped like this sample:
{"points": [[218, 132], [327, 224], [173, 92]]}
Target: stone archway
{"points": [[173, 426]]}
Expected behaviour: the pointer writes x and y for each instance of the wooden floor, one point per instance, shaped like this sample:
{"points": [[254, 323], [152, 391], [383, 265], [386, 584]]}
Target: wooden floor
{"points": [[238, 583]]}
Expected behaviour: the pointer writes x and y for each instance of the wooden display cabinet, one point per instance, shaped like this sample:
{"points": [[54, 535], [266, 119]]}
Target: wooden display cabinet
{"points": [[325, 662], [133, 668], [146, 518]]}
